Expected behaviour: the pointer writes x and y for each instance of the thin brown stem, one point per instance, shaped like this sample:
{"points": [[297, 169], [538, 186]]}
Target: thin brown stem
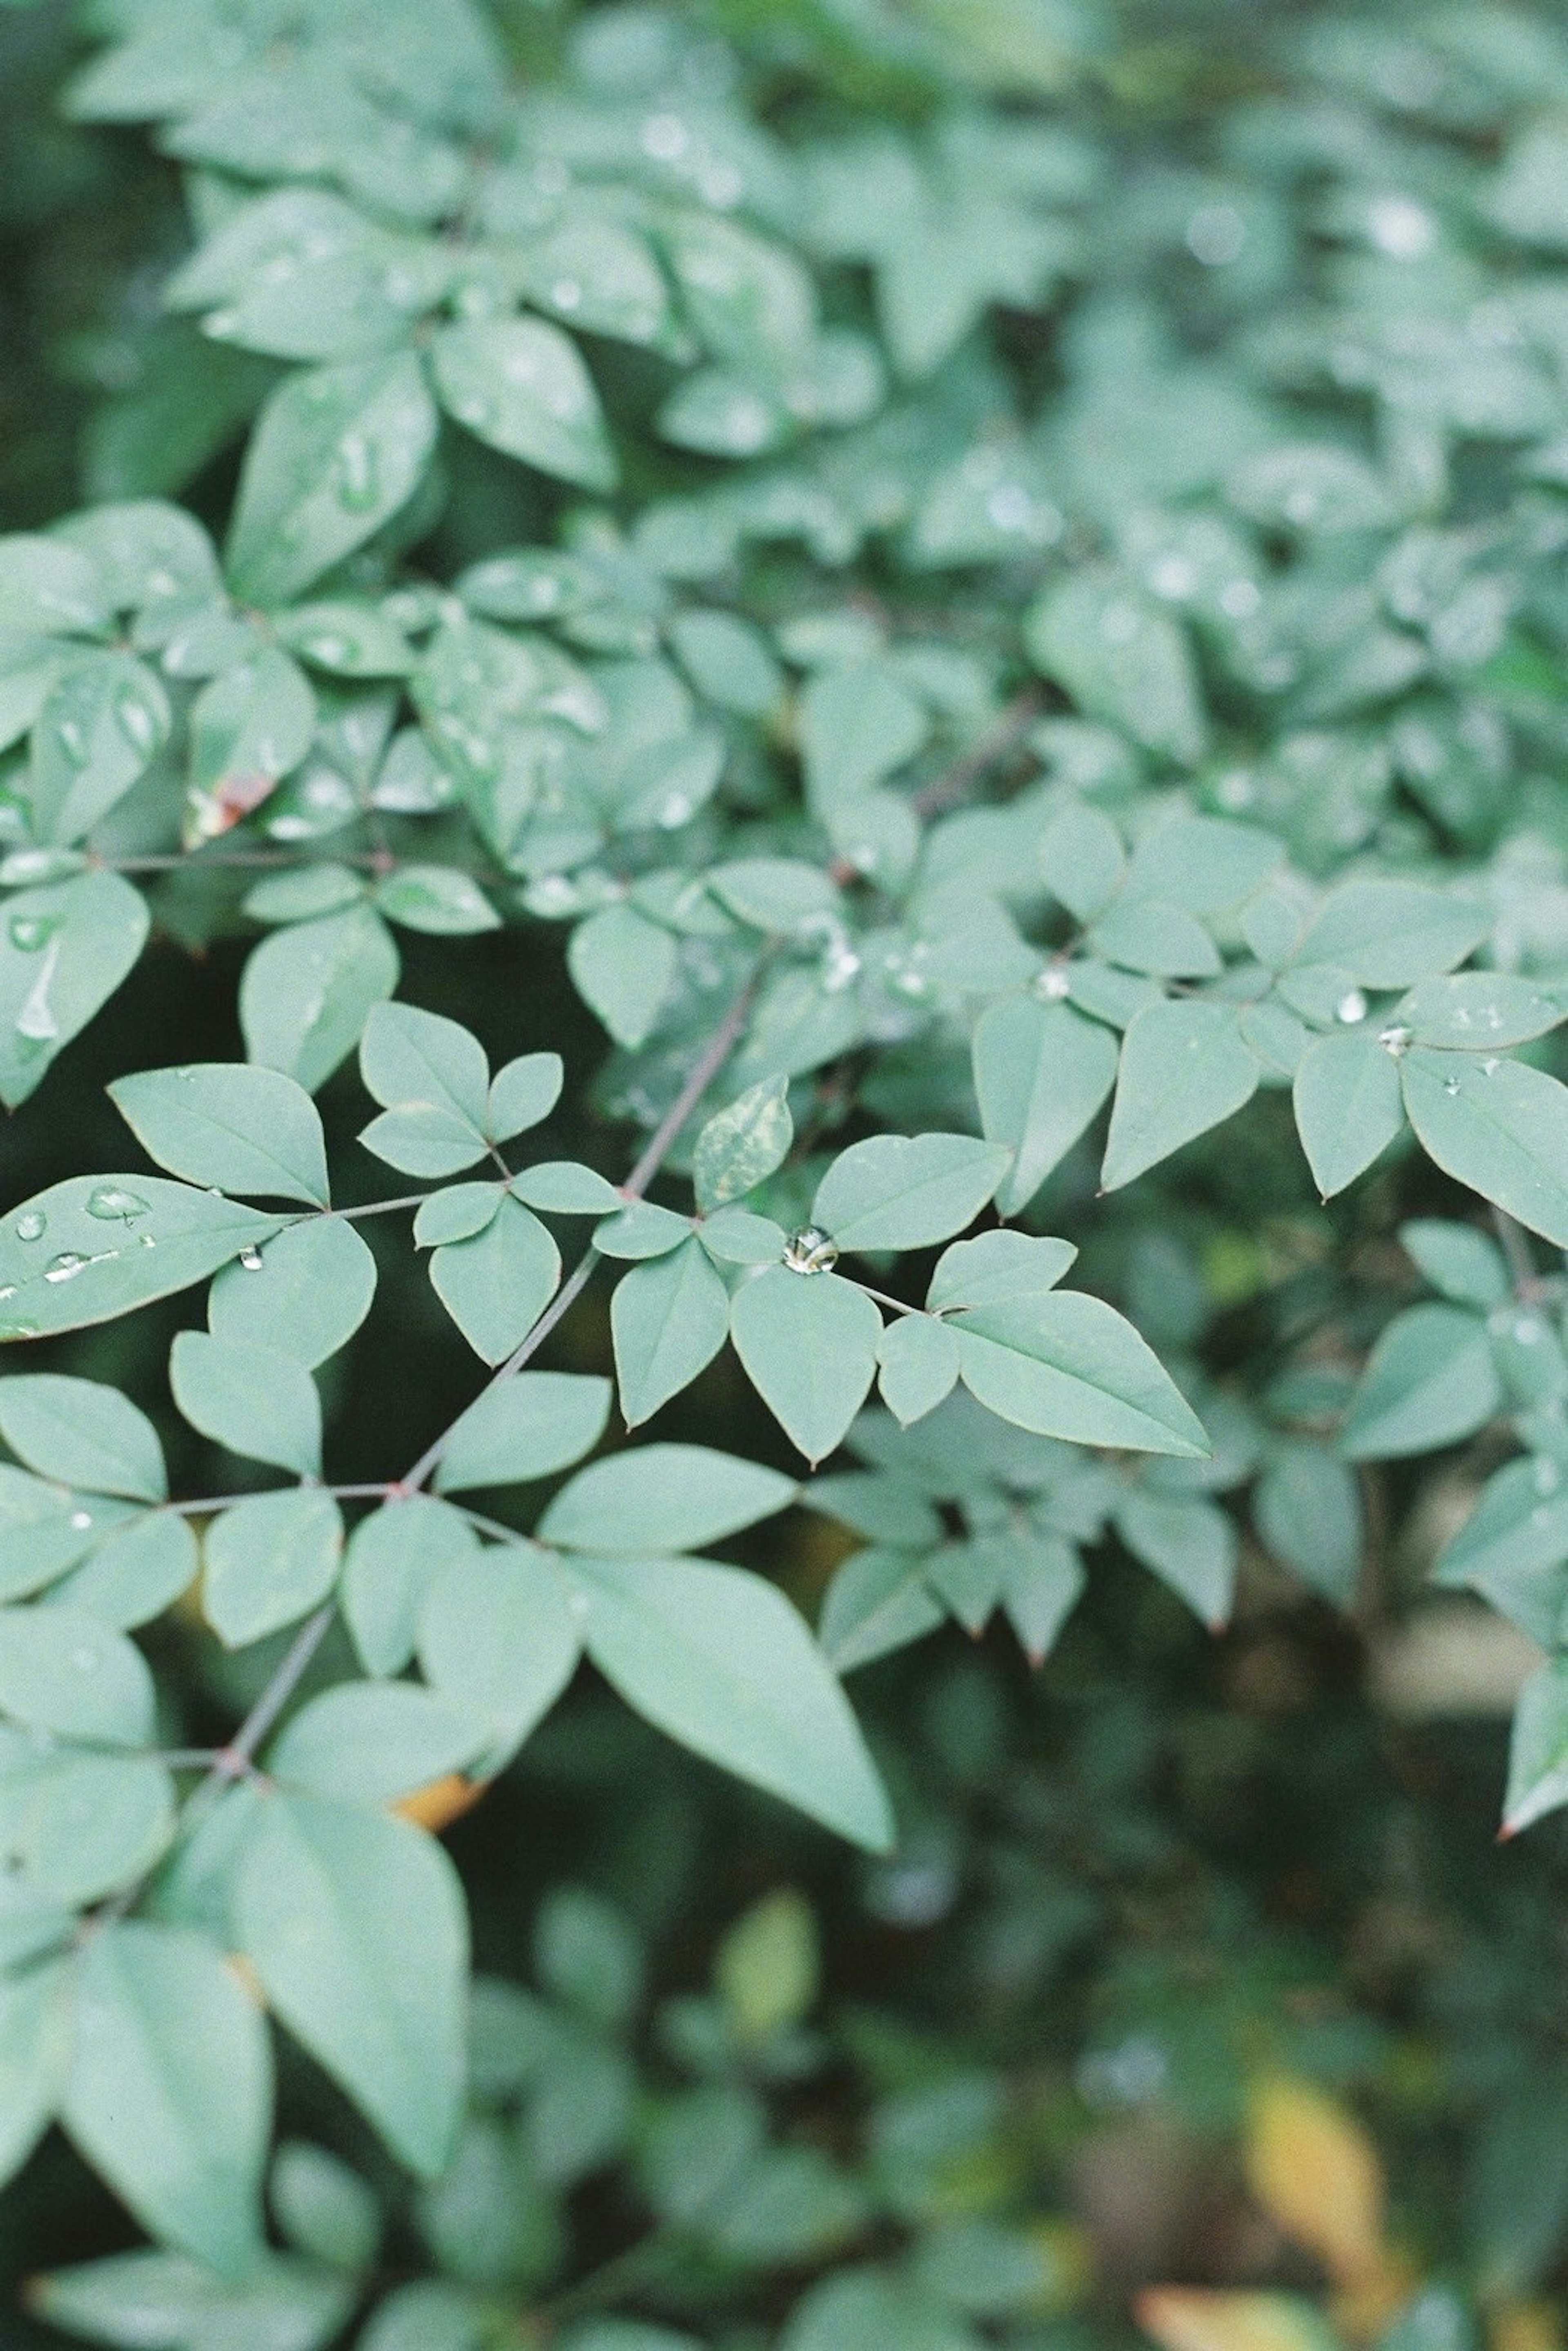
{"points": [[237, 1761], [945, 790], [703, 1072]]}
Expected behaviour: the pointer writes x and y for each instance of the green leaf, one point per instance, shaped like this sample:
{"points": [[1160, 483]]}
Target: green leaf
{"points": [[323, 2208], [658, 1498], [432, 1076], [1069, 1365], [670, 1316], [331, 1906], [623, 967], [520, 385], [1348, 1107], [337, 450], [879, 1602], [1307, 1510], [1190, 1543], [1042, 1582], [1513, 1548], [161, 2302], [64, 950], [61, 1671], [640, 1230], [368, 1742], [496, 1286], [256, 1401], [47, 1529], [304, 1294], [564, 1188], [99, 730], [430, 2316], [456, 1213], [270, 1559], [437, 899], [719, 1659], [1041, 1072], [393, 1558], [1464, 1264], [169, 2093], [742, 1146], [905, 1192], [525, 1427], [1082, 861], [1147, 935], [858, 725], [223, 1123], [97, 1246], [1499, 1127], [36, 2036], [1429, 1381], [734, 1237], [1121, 659], [1537, 1754], [1184, 1067], [809, 1344], [248, 727], [995, 1267], [84, 1434], [1388, 933], [78, 1826], [308, 991], [918, 1360], [1477, 1011], [139, 1573], [498, 1635], [522, 1094], [1203, 864]]}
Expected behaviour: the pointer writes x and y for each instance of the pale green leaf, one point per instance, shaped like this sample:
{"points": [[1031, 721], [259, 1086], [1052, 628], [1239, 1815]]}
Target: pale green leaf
{"points": [[1041, 1072], [809, 1344], [660, 1498], [720, 1660], [670, 1316], [1183, 1069], [238, 1128]]}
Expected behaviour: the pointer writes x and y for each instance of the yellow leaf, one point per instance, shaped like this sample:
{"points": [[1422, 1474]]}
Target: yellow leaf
{"points": [[1316, 2173], [1525, 2326], [444, 1801], [1194, 2318]]}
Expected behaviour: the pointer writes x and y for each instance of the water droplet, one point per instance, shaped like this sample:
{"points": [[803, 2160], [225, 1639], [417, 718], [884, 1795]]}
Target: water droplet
{"points": [[64, 1267], [1398, 1041], [9, 1292], [567, 294], [357, 472], [251, 1258], [31, 932], [1351, 1008], [72, 742], [36, 1021], [1527, 1329], [32, 1225], [20, 1330], [840, 966], [1450, 1085], [81, 1520], [673, 811], [1055, 984], [136, 722], [811, 1250], [115, 1206]]}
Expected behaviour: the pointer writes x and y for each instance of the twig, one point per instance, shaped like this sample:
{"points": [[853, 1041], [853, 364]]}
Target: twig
{"points": [[233, 1762], [703, 1072], [1009, 731]]}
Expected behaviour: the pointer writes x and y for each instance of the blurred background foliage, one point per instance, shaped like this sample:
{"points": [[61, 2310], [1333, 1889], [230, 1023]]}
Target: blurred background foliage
{"points": [[1201, 1966]]}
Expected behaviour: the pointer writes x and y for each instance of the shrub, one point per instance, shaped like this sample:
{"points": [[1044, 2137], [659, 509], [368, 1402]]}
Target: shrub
{"points": [[981, 588]]}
